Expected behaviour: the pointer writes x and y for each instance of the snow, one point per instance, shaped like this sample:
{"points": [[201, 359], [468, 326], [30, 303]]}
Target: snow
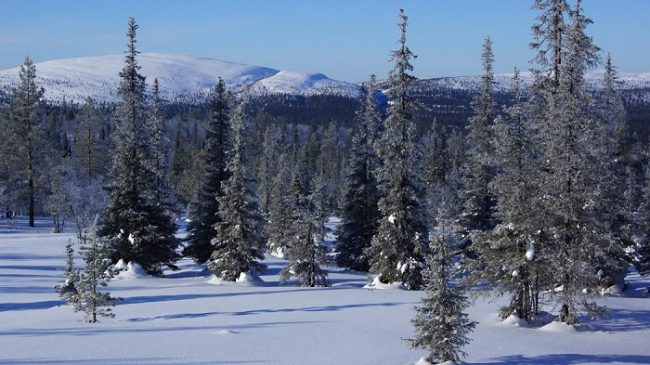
{"points": [[392, 218], [182, 319], [77, 78], [133, 271], [377, 284], [530, 253], [300, 83], [244, 279]]}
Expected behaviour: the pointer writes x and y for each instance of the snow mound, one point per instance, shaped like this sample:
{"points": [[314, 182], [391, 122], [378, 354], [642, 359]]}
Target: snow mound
{"points": [[120, 266], [133, 271], [558, 327], [613, 291], [279, 252], [377, 284], [513, 320], [423, 361], [226, 332], [244, 279]]}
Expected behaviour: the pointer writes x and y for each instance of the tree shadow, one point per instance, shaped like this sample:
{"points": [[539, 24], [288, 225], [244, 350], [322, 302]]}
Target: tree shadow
{"points": [[621, 320], [97, 330], [139, 360], [6, 307], [569, 359]]}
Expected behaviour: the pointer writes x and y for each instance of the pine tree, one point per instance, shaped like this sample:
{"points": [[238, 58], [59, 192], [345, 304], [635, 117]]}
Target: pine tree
{"points": [[137, 228], [398, 249], [67, 289], [91, 300], [359, 213], [205, 206], [478, 201], [25, 131], [239, 240], [441, 325]]}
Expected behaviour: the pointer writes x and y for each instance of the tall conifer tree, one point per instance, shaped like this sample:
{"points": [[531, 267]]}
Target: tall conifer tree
{"points": [[401, 243], [136, 227]]}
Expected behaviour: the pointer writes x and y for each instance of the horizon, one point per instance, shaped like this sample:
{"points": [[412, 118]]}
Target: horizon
{"points": [[265, 33]]}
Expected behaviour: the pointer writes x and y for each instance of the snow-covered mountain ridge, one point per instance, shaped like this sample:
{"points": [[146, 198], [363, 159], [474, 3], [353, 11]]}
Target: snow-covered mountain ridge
{"points": [[593, 78], [77, 78]]}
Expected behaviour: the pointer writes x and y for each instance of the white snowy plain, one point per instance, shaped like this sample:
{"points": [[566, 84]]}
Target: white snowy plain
{"points": [[182, 318]]}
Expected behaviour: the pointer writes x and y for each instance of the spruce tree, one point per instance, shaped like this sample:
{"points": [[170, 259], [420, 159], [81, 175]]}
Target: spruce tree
{"points": [[134, 224], [478, 200], [239, 240], [642, 243], [359, 212], [575, 170], [159, 151], [91, 299], [441, 325], [306, 253], [398, 249], [506, 255], [205, 206], [67, 289], [282, 212]]}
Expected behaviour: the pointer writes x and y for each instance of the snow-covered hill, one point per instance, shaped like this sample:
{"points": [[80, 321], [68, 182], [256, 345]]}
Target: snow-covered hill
{"points": [[77, 78], [594, 78]]}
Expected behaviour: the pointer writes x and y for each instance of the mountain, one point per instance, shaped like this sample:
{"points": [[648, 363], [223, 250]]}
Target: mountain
{"points": [[77, 78], [593, 78]]}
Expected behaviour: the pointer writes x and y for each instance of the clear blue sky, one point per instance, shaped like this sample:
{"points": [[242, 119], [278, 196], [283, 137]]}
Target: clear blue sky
{"points": [[345, 39]]}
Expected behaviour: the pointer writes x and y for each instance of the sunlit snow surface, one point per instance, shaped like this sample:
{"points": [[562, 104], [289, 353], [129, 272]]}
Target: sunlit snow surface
{"points": [[184, 319], [77, 78]]}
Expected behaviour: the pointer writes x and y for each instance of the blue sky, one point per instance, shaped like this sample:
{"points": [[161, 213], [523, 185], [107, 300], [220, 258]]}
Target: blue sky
{"points": [[346, 40]]}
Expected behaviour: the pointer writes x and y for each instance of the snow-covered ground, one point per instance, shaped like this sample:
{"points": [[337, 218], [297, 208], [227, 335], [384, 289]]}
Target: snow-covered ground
{"points": [[184, 319]]}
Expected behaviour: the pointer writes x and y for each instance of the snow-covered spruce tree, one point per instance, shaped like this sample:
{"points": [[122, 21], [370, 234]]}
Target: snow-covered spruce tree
{"points": [[575, 170], [25, 133], [306, 253], [137, 229], [398, 249], [642, 244], [268, 167], [329, 162], [159, 151], [67, 289], [282, 212], [239, 242], [479, 202], [85, 147], [359, 212], [610, 126], [91, 299], [436, 164], [441, 325], [506, 254], [205, 206]]}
